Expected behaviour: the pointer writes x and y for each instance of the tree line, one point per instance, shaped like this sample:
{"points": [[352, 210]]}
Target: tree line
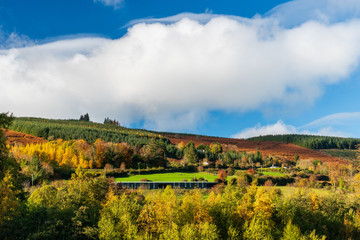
{"points": [[311, 141]]}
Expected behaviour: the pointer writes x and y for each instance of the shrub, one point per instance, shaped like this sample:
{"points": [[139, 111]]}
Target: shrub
{"points": [[201, 179], [269, 183], [250, 171], [230, 171]]}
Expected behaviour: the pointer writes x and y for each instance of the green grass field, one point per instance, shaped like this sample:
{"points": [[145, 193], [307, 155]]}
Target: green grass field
{"points": [[179, 176], [164, 177]]}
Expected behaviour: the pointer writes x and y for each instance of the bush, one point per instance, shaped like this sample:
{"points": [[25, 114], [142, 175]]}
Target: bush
{"points": [[230, 171], [232, 181], [201, 179], [250, 171], [269, 183], [218, 180]]}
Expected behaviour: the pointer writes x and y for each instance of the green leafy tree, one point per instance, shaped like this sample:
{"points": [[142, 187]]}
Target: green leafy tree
{"points": [[34, 170], [10, 188], [291, 232], [45, 196], [6, 163], [258, 229], [190, 153]]}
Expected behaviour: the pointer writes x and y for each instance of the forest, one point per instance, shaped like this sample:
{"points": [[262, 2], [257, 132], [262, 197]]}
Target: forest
{"points": [[65, 188], [86, 130], [311, 141]]}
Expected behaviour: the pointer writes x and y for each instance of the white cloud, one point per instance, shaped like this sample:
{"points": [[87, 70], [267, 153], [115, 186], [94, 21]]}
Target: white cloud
{"points": [[14, 40], [337, 119], [280, 128], [170, 75], [202, 18], [296, 12], [113, 3], [338, 124], [277, 128]]}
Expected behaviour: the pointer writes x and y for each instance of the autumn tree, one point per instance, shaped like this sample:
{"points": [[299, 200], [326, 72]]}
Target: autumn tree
{"points": [[10, 188], [160, 214], [216, 148], [118, 218], [154, 153]]}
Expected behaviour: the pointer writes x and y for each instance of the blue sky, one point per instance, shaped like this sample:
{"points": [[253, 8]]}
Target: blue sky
{"points": [[223, 68]]}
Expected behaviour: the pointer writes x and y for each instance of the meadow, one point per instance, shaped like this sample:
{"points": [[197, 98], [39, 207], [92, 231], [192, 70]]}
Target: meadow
{"points": [[166, 177], [181, 176]]}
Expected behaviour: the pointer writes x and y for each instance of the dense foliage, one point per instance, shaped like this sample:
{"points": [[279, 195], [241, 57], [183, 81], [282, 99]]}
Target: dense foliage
{"points": [[91, 208], [312, 142], [76, 153], [88, 131]]}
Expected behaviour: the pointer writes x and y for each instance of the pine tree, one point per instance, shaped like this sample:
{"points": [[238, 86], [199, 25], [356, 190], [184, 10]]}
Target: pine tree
{"points": [[85, 117], [190, 153]]}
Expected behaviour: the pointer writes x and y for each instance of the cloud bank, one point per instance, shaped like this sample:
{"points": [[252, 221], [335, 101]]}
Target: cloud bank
{"points": [[170, 75], [338, 124], [296, 12], [280, 128]]}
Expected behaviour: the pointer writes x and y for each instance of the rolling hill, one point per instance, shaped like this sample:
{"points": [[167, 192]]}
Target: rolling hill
{"points": [[34, 130]]}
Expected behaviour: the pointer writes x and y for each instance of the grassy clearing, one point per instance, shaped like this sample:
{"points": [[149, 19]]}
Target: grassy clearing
{"points": [[165, 177]]}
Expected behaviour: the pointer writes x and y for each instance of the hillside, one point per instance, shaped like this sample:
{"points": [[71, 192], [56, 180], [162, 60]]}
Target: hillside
{"points": [[37, 130], [21, 138], [285, 150], [89, 131]]}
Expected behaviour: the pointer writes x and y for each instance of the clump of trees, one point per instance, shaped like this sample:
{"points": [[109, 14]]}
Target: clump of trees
{"points": [[79, 153], [110, 121], [85, 117]]}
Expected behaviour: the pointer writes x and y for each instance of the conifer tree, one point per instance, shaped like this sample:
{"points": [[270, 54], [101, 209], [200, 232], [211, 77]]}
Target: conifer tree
{"points": [[190, 153]]}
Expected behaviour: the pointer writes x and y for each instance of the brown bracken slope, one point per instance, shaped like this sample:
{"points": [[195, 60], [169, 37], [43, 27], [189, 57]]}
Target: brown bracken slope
{"points": [[21, 138], [282, 150]]}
